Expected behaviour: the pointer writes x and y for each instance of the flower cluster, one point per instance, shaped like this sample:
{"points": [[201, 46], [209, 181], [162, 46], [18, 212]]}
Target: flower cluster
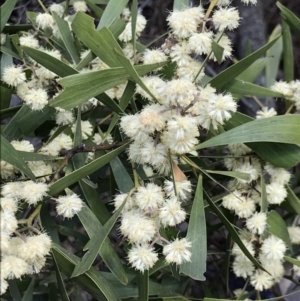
{"points": [[145, 211]]}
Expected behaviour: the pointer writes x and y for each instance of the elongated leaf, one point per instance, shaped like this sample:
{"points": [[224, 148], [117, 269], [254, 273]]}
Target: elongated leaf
{"points": [[292, 260], [107, 251], [125, 62], [232, 174], [254, 70], [277, 227], [117, 27], [124, 181], [66, 36], [278, 154], [113, 9], [89, 168], [61, 286], [6, 10], [8, 51], [6, 59], [95, 244], [244, 88], [292, 20], [232, 231], [218, 51], [14, 290], [97, 10], [282, 129], [6, 94], [10, 155], [143, 286], [28, 156], [49, 62], [274, 56], [288, 55], [232, 72], [196, 234], [29, 292], [26, 121], [134, 13], [293, 200], [81, 87], [180, 4], [92, 281]]}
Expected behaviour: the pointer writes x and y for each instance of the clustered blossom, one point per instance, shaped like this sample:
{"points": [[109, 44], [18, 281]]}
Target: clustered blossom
{"points": [[147, 210], [245, 200]]}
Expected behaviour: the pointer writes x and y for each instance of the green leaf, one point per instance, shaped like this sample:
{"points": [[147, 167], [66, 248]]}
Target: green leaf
{"points": [[6, 59], [107, 252], [134, 13], [6, 10], [80, 88], [292, 20], [277, 227], [232, 174], [274, 56], [12, 29], [11, 156], [26, 121], [242, 88], [274, 129], [92, 281], [117, 27], [6, 94], [97, 10], [8, 51], [66, 36], [95, 244], [62, 290], [288, 55], [196, 234], [124, 181], [278, 154], [232, 231], [89, 168], [49, 62], [264, 200], [254, 70], [102, 43], [180, 4], [14, 290], [29, 292], [143, 286], [218, 51], [232, 72], [293, 200], [292, 260], [125, 62], [28, 156], [113, 10]]}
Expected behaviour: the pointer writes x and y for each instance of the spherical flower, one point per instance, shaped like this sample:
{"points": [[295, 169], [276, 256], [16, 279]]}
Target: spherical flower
{"points": [[36, 266], [2, 42], [261, 280], [250, 169], [39, 169], [177, 251], [64, 141], [156, 155], [152, 119], [294, 233], [22, 145], [3, 282], [13, 190], [140, 24], [130, 125], [9, 204], [44, 20], [142, 257], [225, 43], [137, 228], [126, 35], [189, 71], [36, 99], [52, 148], [249, 1], [34, 192], [8, 222], [35, 247], [57, 8], [29, 41], [86, 129], [171, 213], [13, 267], [98, 139], [237, 251], [183, 189], [119, 200], [180, 54], [154, 56], [80, 6], [223, 2], [265, 112], [276, 193], [242, 267], [200, 43], [149, 197], [64, 117], [231, 200], [68, 205], [5, 242], [13, 76], [283, 88], [6, 170], [245, 208], [226, 18], [257, 223], [278, 175], [273, 248], [274, 267]]}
